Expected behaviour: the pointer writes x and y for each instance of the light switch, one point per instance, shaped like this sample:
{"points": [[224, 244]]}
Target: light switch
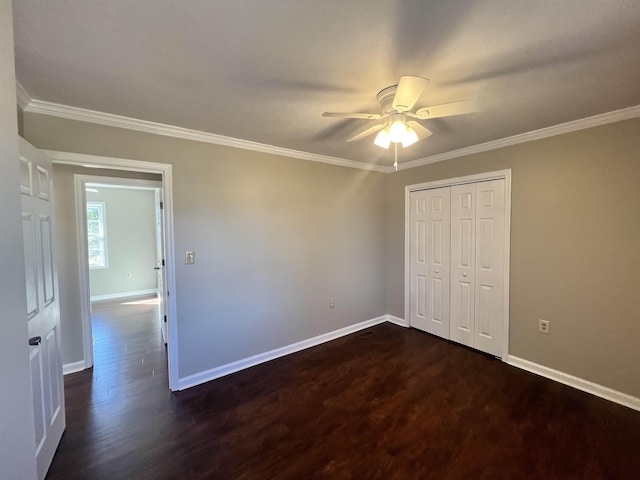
{"points": [[189, 258]]}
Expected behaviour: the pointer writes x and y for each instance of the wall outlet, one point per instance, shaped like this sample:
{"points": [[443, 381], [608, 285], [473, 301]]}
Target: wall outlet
{"points": [[543, 326], [332, 303], [189, 258]]}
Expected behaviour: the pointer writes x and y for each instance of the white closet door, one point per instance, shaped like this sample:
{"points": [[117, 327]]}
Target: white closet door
{"points": [[489, 271], [430, 260], [463, 226]]}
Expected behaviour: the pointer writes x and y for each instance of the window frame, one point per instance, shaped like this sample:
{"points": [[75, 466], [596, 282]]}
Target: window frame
{"points": [[102, 236]]}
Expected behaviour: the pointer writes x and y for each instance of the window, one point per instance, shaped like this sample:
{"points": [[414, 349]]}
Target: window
{"points": [[96, 235]]}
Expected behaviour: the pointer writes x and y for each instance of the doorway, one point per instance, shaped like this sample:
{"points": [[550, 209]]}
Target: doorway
{"points": [[165, 197]]}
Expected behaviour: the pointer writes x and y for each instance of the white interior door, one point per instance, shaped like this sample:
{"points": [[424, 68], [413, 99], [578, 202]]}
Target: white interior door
{"points": [[160, 267], [430, 260], [463, 226], [42, 302], [489, 271]]}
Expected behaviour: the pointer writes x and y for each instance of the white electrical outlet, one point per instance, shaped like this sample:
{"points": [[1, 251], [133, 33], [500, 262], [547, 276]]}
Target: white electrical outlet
{"points": [[332, 303], [543, 326]]}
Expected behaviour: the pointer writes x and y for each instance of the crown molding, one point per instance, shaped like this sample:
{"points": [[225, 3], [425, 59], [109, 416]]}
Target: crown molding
{"points": [[584, 123], [108, 119], [22, 96], [84, 115]]}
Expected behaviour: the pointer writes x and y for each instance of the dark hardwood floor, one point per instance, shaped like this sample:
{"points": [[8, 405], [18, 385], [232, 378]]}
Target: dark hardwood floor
{"points": [[397, 404]]}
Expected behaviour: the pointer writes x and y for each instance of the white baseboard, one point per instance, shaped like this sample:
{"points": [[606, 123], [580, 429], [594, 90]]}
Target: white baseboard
{"points": [[111, 296], [576, 382], [73, 367], [397, 321], [221, 371]]}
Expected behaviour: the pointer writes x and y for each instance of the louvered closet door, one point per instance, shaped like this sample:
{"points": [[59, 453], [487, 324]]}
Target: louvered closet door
{"points": [[430, 257]]}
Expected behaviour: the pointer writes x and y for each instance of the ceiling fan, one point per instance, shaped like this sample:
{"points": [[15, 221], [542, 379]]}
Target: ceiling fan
{"points": [[400, 123]]}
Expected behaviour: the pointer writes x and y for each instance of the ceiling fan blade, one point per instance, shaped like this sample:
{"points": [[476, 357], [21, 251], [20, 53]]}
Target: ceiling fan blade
{"points": [[409, 91], [363, 116], [366, 133], [449, 109], [421, 131]]}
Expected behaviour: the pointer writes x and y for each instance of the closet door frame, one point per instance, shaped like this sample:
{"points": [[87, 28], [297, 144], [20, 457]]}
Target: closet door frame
{"points": [[449, 182]]}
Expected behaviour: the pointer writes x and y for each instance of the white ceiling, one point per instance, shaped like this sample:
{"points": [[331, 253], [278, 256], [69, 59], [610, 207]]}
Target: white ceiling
{"points": [[265, 70]]}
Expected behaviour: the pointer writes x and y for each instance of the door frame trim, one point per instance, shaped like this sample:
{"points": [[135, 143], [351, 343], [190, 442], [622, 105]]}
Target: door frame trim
{"points": [[449, 182], [165, 170]]}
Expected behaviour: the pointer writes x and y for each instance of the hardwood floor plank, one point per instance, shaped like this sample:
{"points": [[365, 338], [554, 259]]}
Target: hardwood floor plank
{"points": [[398, 404]]}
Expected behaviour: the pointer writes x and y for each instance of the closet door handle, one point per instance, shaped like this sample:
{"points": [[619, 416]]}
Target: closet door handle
{"points": [[34, 341], [464, 274]]}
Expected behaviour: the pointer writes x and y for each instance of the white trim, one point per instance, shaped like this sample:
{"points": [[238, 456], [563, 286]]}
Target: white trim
{"points": [[22, 96], [167, 189], [83, 269], [73, 367], [118, 121], [581, 124], [397, 321], [92, 116], [221, 371], [136, 293], [448, 182], [576, 382]]}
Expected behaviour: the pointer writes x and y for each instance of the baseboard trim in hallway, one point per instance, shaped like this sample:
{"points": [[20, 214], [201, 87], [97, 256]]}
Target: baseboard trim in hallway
{"points": [[73, 367]]}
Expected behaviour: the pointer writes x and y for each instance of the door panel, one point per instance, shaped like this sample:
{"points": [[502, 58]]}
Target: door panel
{"points": [[490, 239], [42, 307], [47, 258], [462, 263], [419, 267], [160, 267], [430, 226], [30, 263]]}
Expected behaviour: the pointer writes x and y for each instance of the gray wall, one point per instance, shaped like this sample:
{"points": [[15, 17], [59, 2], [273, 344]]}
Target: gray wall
{"points": [[575, 256], [275, 239], [67, 253], [17, 441], [131, 242]]}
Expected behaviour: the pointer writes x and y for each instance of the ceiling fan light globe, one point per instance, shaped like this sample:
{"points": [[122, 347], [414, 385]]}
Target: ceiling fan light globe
{"points": [[410, 138], [382, 139], [397, 131]]}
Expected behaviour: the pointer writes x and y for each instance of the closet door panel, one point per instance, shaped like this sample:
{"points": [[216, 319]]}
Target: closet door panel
{"points": [[489, 269], [439, 232], [463, 263], [419, 263], [430, 260]]}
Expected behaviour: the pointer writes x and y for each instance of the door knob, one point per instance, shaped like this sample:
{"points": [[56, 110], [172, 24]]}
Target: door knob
{"points": [[464, 274], [156, 268], [437, 271], [34, 341]]}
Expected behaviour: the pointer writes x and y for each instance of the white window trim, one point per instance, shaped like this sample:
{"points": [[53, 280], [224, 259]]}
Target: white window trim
{"points": [[103, 210]]}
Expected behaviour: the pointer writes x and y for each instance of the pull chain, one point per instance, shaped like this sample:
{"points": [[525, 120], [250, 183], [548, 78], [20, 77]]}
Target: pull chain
{"points": [[395, 164]]}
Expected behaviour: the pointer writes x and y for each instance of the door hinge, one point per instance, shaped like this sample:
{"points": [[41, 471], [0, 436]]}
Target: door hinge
{"points": [[161, 205], [163, 262], [165, 319]]}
